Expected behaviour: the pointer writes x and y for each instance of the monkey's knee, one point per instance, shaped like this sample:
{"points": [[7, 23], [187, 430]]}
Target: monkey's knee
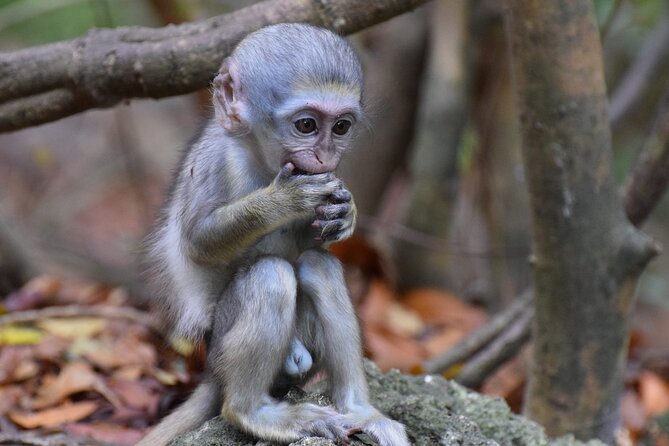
{"points": [[318, 270], [274, 280]]}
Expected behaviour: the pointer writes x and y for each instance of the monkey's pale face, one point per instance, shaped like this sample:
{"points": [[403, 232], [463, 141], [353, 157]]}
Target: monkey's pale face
{"points": [[315, 128]]}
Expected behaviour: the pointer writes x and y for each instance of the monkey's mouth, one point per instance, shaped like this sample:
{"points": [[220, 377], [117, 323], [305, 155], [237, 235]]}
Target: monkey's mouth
{"points": [[313, 162]]}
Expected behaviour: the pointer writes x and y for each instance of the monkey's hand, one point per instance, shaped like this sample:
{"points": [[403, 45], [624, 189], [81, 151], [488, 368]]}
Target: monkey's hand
{"points": [[335, 220], [301, 194]]}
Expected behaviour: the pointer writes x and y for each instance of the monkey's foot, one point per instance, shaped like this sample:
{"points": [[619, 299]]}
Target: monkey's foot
{"points": [[383, 430], [285, 422]]}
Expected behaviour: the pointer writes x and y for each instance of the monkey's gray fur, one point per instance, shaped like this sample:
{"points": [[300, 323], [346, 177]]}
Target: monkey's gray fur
{"points": [[239, 251]]}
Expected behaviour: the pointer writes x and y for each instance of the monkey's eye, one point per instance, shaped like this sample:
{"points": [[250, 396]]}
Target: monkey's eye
{"points": [[341, 127], [306, 125]]}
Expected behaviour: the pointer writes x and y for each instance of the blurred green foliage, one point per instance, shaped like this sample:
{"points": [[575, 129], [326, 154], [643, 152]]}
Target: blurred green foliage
{"points": [[33, 22]]}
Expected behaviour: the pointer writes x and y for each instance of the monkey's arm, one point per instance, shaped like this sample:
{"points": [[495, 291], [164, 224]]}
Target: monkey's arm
{"points": [[217, 235]]}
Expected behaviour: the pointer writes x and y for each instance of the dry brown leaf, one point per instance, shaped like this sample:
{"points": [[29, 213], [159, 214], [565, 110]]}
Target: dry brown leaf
{"points": [[65, 413], [81, 293], [375, 306], [45, 285], [33, 294], [442, 339], [438, 307], [654, 393], [25, 370], [403, 321], [9, 398], [127, 351], [51, 348], [135, 394], [10, 357], [106, 433], [129, 372], [391, 351], [75, 377]]}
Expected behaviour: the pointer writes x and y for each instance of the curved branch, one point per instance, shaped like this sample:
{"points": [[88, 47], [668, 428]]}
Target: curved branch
{"points": [[106, 66], [650, 177]]}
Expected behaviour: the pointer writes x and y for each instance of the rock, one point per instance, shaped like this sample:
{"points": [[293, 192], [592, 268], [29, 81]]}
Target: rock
{"points": [[435, 412]]}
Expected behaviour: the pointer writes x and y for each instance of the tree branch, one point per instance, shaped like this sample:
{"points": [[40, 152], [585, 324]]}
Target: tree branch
{"points": [[649, 61], [481, 339], [650, 177], [106, 66]]}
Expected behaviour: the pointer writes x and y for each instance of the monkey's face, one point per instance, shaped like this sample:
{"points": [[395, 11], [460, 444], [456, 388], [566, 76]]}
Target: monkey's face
{"points": [[315, 128]]}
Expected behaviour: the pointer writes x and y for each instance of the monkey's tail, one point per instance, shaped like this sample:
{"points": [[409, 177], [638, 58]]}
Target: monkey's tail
{"points": [[203, 404]]}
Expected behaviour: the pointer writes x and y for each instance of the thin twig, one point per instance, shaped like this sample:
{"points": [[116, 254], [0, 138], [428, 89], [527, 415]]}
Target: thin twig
{"points": [[500, 350], [649, 179], [481, 338], [103, 311], [651, 57]]}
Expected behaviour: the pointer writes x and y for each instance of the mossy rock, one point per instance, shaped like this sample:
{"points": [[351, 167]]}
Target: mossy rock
{"points": [[435, 412]]}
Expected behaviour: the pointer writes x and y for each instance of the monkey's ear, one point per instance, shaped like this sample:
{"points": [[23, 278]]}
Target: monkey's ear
{"points": [[229, 106]]}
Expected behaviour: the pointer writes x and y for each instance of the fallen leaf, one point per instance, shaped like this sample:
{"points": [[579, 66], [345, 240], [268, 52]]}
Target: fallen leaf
{"points": [[136, 394], [127, 351], [389, 350], [33, 294], [654, 393], [9, 398], [129, 373], [375, 306], [73, 327], [441, 340], [403, 321], [10, 358], [51, 348], [106, 433], [438, 308], [75, 377], [13, 335], [165, 377], [25, 370], [55, 416]]}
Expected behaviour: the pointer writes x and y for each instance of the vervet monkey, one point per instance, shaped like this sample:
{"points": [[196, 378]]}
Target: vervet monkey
{"points": [[240, 250]]}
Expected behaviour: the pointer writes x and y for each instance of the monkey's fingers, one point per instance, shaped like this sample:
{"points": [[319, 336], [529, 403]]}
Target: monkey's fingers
{"points": [[287, 170], [330, 230], [333, 211], [341, 196]]}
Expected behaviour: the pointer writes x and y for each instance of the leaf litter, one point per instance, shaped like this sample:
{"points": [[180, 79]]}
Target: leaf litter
{"points": [[109, 379]]}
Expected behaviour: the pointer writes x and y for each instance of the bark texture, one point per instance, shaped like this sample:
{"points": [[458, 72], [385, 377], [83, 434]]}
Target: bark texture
{"points": [[106, 66], [587, 255]]}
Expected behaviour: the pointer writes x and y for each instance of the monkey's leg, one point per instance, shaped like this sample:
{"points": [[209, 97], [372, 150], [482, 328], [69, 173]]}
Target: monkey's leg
{"points": [[250, 355], [330, 323]]}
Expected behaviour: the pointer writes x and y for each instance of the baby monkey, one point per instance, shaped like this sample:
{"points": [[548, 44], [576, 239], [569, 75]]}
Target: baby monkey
{"points": [[239, 253]]}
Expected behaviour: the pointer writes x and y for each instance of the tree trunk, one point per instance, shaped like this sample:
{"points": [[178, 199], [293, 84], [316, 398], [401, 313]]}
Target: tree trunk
{"points": [[587, 255]]}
